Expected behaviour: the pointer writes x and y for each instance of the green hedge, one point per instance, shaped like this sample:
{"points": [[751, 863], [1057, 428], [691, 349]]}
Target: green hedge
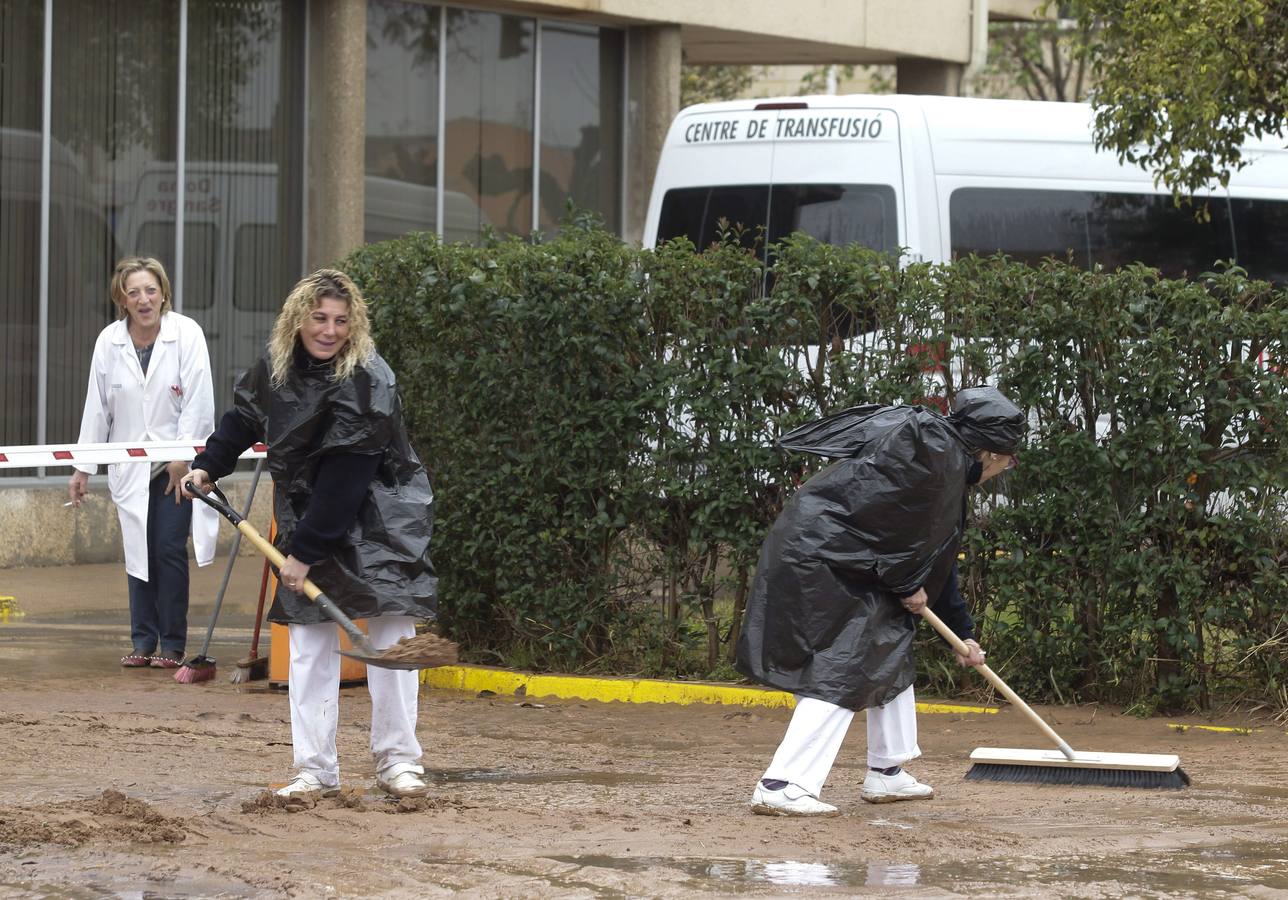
{"points": [[598, 423]]}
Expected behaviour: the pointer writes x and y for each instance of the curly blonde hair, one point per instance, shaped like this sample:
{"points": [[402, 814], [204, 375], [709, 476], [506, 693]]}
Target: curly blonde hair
{"points": [[305, 297], [127, 267]]}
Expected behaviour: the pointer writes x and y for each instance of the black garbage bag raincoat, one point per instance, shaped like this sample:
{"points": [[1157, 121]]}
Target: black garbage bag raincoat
{"points": [[381, 566], [824, 619]]}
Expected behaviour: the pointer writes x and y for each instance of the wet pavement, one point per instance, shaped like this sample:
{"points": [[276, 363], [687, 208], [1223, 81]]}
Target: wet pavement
{"points": [[558, 798]]}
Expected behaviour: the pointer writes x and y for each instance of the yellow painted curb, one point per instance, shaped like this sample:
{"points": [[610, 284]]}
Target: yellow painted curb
{"points": [[1222, 729], [626, 690]]}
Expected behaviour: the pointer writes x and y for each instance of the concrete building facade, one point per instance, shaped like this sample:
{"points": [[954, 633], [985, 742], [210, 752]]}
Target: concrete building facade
{"points": [[244, 144]]}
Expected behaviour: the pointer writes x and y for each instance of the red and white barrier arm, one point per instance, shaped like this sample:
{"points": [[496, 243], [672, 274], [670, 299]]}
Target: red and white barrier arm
{"points": [[47, 455]]}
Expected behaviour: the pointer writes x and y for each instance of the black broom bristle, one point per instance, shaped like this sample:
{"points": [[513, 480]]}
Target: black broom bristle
{"points": [[1128, 778]]}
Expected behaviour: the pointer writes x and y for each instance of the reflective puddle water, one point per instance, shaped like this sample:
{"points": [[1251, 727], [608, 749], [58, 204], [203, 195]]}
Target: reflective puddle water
{"points": [[501, 776], [1231, 870], [94, 887]]}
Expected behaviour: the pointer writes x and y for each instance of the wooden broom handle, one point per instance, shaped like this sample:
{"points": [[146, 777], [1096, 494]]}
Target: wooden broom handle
{"points": [[960, 646]]}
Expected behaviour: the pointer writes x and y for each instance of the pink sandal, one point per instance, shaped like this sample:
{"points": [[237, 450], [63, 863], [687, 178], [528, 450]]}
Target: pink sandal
{"points": [[136, 661], [166, 659]]}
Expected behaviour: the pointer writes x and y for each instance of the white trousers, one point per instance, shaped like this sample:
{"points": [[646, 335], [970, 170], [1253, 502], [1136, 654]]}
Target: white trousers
{"points": [[315, 700], [817, 729]]}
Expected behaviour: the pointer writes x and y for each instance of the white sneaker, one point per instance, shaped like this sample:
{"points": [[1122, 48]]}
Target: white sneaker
{"points": [[306, 783], [789, 801], [403, 780], [878, 788]]}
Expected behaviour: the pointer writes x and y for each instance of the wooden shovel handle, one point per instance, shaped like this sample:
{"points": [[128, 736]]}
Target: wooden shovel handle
{"points": [[219, 502], [311, 590], [960, 646]]}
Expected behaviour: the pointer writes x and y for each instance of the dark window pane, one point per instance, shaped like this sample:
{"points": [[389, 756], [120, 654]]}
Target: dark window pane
{"points": [[244, 174], [1090, 228], [114, 117], [253, 260], [581, 85], [700, 213], [21, 43], [402, 119], [489, 123], [836, 214], [1261, 238]]}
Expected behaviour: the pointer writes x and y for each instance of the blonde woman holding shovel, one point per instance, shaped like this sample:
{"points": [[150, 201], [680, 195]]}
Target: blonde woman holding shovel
{"points": [[354, 510]]}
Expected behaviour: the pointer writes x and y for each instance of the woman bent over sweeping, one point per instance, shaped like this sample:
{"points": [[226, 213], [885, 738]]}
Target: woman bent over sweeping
{"points": [[354, 514], [865, 543]]}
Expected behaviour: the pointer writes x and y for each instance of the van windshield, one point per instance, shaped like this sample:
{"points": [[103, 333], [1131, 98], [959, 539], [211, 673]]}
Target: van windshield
{"points": [[763, 214]]}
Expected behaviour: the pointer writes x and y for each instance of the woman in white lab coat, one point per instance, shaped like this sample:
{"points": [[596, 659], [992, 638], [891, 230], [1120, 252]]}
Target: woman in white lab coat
{"points": [[150, 381]]}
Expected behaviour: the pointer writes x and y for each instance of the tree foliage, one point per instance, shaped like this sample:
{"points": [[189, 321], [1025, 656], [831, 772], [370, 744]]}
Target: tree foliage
{"points": [[707, 84], [873, 79], [1180, 83], [1044, 59]]}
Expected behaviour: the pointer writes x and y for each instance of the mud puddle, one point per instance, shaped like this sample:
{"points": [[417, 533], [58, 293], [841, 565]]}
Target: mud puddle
{"points": [[118, 888], [501, 776], [1226, 871]]}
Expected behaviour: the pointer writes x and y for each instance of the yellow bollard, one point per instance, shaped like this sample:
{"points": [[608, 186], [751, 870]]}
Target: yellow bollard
{"points": [[9, 609]]}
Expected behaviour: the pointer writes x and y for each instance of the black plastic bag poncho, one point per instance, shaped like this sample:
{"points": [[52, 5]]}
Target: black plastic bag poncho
{"points": [[824, 619], [381, 566]]}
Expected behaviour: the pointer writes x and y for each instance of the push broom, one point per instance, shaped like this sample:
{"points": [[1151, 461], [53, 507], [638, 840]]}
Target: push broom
{"points": [[1065, 766]]}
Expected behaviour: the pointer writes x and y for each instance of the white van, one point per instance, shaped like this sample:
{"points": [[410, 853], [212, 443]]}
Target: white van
{"points": [[940, 177]]}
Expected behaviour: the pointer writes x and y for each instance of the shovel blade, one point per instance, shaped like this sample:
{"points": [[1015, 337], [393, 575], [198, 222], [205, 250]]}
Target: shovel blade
{"points": [[375, 658]]}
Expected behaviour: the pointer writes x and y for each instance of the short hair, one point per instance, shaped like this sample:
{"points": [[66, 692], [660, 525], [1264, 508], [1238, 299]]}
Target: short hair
{"points": [[308, 292], [127, 267]]}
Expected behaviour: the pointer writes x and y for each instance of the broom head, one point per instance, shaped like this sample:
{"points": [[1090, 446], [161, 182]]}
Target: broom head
{"points": [[1136, 770], [199, 668], [253, 668]]}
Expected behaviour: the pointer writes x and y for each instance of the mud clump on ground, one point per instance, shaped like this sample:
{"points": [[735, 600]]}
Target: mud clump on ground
{"points": [[268, 802], [111, 817], [421, 804]]}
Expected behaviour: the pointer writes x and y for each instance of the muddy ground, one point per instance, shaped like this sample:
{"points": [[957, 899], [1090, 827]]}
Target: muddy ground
{"points": [[122, 783]]}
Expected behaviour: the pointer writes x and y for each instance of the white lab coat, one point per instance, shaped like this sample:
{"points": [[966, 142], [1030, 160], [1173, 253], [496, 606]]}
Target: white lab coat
{"points": [[174, 401]]}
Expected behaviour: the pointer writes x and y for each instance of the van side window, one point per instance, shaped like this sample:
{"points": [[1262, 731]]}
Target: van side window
{"points": [[836, 214], [695, 213], [1261, 237], [1116, 229]]}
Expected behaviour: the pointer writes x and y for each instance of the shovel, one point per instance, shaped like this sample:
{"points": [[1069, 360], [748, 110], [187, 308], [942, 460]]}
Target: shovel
{"points": [[362, 649]]}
